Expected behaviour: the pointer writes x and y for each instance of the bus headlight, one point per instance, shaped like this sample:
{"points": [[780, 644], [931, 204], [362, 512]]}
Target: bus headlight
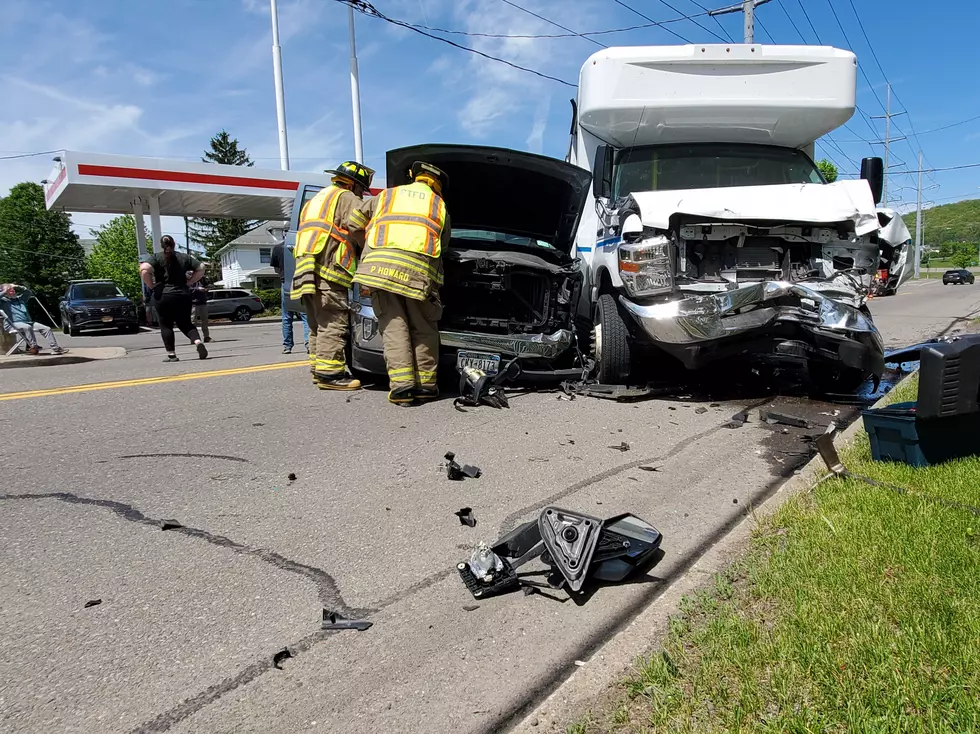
{"points": [[646, 267]]}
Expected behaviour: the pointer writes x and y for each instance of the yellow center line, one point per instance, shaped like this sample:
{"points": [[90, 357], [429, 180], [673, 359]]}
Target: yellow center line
{"points": [[149, 380]]}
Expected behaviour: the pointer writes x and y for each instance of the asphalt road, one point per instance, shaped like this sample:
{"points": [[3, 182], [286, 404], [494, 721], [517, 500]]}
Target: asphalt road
{"points": [[190, 619]]}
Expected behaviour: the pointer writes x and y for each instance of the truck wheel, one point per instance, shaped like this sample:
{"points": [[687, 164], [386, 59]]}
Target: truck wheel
{"points": [[610, 343]]}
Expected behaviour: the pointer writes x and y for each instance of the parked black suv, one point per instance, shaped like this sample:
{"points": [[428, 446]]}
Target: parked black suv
{"points": [[958, 277], [96, 304]]}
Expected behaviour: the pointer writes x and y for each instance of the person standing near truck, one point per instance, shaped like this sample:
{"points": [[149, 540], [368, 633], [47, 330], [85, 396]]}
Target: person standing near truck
{"points": [[278, 264], [199, 302], [165, 273], [326, 259], [407, 230]]}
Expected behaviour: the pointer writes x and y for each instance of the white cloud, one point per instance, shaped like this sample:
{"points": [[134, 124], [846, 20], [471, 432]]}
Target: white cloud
{"points": [[535, 139]]}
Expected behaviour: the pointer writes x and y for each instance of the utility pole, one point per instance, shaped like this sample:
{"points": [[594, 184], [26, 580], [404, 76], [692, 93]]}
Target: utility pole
{"points": [[187, 236], [918, 220], [280, 95], [888, 138], [355, 94], [747, 9]]}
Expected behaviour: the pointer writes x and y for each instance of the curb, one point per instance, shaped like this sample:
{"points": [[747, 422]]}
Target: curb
{"points": [[611, 662], [48, 360]]}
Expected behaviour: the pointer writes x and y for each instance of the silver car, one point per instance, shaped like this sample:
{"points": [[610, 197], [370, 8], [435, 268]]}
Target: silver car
{"points": [[233, 303]]}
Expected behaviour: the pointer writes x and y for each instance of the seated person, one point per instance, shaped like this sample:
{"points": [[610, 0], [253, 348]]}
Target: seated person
{"points": [[13, 303]]}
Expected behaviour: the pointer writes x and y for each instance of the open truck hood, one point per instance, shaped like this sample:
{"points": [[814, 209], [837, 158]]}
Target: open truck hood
{"points": [[841, 201], [503, 190]]}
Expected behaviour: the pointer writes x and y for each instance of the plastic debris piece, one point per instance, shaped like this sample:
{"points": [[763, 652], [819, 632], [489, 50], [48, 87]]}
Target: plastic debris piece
{"points": [[170, 525], [738, 420], [579, 663], [455, 472], [621, 447], [701, 410], [466, 516], [93, 603], [650, 468], [292, 477], [772, 418], [278, 658], [470, 607], [714, 405], [337, 621]]}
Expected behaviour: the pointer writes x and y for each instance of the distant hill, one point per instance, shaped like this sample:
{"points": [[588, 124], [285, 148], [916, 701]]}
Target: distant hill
{"points": [[957, 222]]}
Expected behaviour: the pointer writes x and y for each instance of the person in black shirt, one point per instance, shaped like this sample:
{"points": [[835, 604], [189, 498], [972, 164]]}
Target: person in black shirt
{"points": [[165, 273]]}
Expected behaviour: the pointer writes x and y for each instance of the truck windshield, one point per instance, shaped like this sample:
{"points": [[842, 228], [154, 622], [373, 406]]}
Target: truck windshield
{"points": [[708, 166]]}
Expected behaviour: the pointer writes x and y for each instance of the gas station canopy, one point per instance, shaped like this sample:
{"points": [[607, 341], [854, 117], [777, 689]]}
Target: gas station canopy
{"points": [[114, 184]]}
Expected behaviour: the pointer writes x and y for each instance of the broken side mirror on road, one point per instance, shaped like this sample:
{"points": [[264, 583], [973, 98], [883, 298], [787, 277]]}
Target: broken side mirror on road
{"points": [[577, 549]]}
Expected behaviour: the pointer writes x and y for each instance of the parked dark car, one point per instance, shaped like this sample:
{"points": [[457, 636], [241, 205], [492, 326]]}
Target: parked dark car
{"points": [[96, 304], [958, 277]]}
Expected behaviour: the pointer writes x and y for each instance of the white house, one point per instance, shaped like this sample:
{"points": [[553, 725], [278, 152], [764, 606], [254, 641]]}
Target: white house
{"points": [[245, 262]]}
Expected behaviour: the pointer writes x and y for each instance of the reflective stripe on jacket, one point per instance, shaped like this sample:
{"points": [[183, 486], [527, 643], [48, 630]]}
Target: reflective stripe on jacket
{"points": [[409, 218], [408, 274], [323, 247]]}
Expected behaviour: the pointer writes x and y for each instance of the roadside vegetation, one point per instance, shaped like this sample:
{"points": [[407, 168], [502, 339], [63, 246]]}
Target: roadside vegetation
{"points": [[855, 609]]}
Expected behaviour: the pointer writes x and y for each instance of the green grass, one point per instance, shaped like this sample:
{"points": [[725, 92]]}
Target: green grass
{"points": [[856, 609]]}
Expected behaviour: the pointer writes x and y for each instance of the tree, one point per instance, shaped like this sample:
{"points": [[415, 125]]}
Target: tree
{"points": [[963, 256], [37, 247], [214, 234], [115, 256], [828, 169]]}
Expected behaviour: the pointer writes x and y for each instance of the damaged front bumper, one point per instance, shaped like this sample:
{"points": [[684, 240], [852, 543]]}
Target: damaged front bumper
{"points": [[697, 329], [368, 348]]}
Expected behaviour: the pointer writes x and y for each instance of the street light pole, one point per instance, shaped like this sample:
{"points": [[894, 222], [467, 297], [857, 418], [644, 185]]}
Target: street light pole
{"points": [[280, 95], [355, 94]]}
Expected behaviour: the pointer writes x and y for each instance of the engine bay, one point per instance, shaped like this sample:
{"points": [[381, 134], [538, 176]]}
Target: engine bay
{"points": [[503, 292]]}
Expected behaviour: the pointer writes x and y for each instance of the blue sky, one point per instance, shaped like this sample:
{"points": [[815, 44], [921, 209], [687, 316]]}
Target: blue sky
{"points": [[159, 78]]}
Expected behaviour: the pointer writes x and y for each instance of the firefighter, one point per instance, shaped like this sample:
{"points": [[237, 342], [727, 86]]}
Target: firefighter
{"points": [[406, 231], [326, 260]]}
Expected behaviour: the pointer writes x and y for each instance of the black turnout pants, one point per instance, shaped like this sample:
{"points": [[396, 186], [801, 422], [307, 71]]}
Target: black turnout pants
{"points": [[174, 308]]}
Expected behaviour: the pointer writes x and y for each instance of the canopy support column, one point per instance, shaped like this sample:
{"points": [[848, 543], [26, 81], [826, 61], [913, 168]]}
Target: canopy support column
{"points": [[140, 228], [155, 222]]}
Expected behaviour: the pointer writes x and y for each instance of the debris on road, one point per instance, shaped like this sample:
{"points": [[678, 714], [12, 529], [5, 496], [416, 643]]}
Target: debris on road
{"points": [[738, 420], [772, 418], [650, 468], [477, 388], [292, 477], [336, 621], [701, 411], [93, 603], [466, 516], [170, 525], [455, 472], [621, 447], [575, 547], [278, 658]]}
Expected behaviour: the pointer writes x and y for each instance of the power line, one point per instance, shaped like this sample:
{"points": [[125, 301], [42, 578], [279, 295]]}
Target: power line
{"points": [[557, 25], [703, 28], [851, 46], [792, 22], [717, 22], [765, 30], [647, 17], [366, 8], [27, 155], [807, 16], [947, 127]]}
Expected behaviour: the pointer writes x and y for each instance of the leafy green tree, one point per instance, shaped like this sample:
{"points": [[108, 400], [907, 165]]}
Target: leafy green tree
{"points": [[115, 256], [37, 247], [214, 234], [964, 255], [828, 169]]}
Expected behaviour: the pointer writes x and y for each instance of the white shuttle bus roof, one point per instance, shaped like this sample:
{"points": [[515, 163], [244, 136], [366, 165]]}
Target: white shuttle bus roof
{"points": [[736, 93]]}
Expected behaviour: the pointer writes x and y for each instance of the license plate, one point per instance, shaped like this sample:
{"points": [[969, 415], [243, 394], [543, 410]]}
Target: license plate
{"points": [[106, 319], [484, 361]]}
